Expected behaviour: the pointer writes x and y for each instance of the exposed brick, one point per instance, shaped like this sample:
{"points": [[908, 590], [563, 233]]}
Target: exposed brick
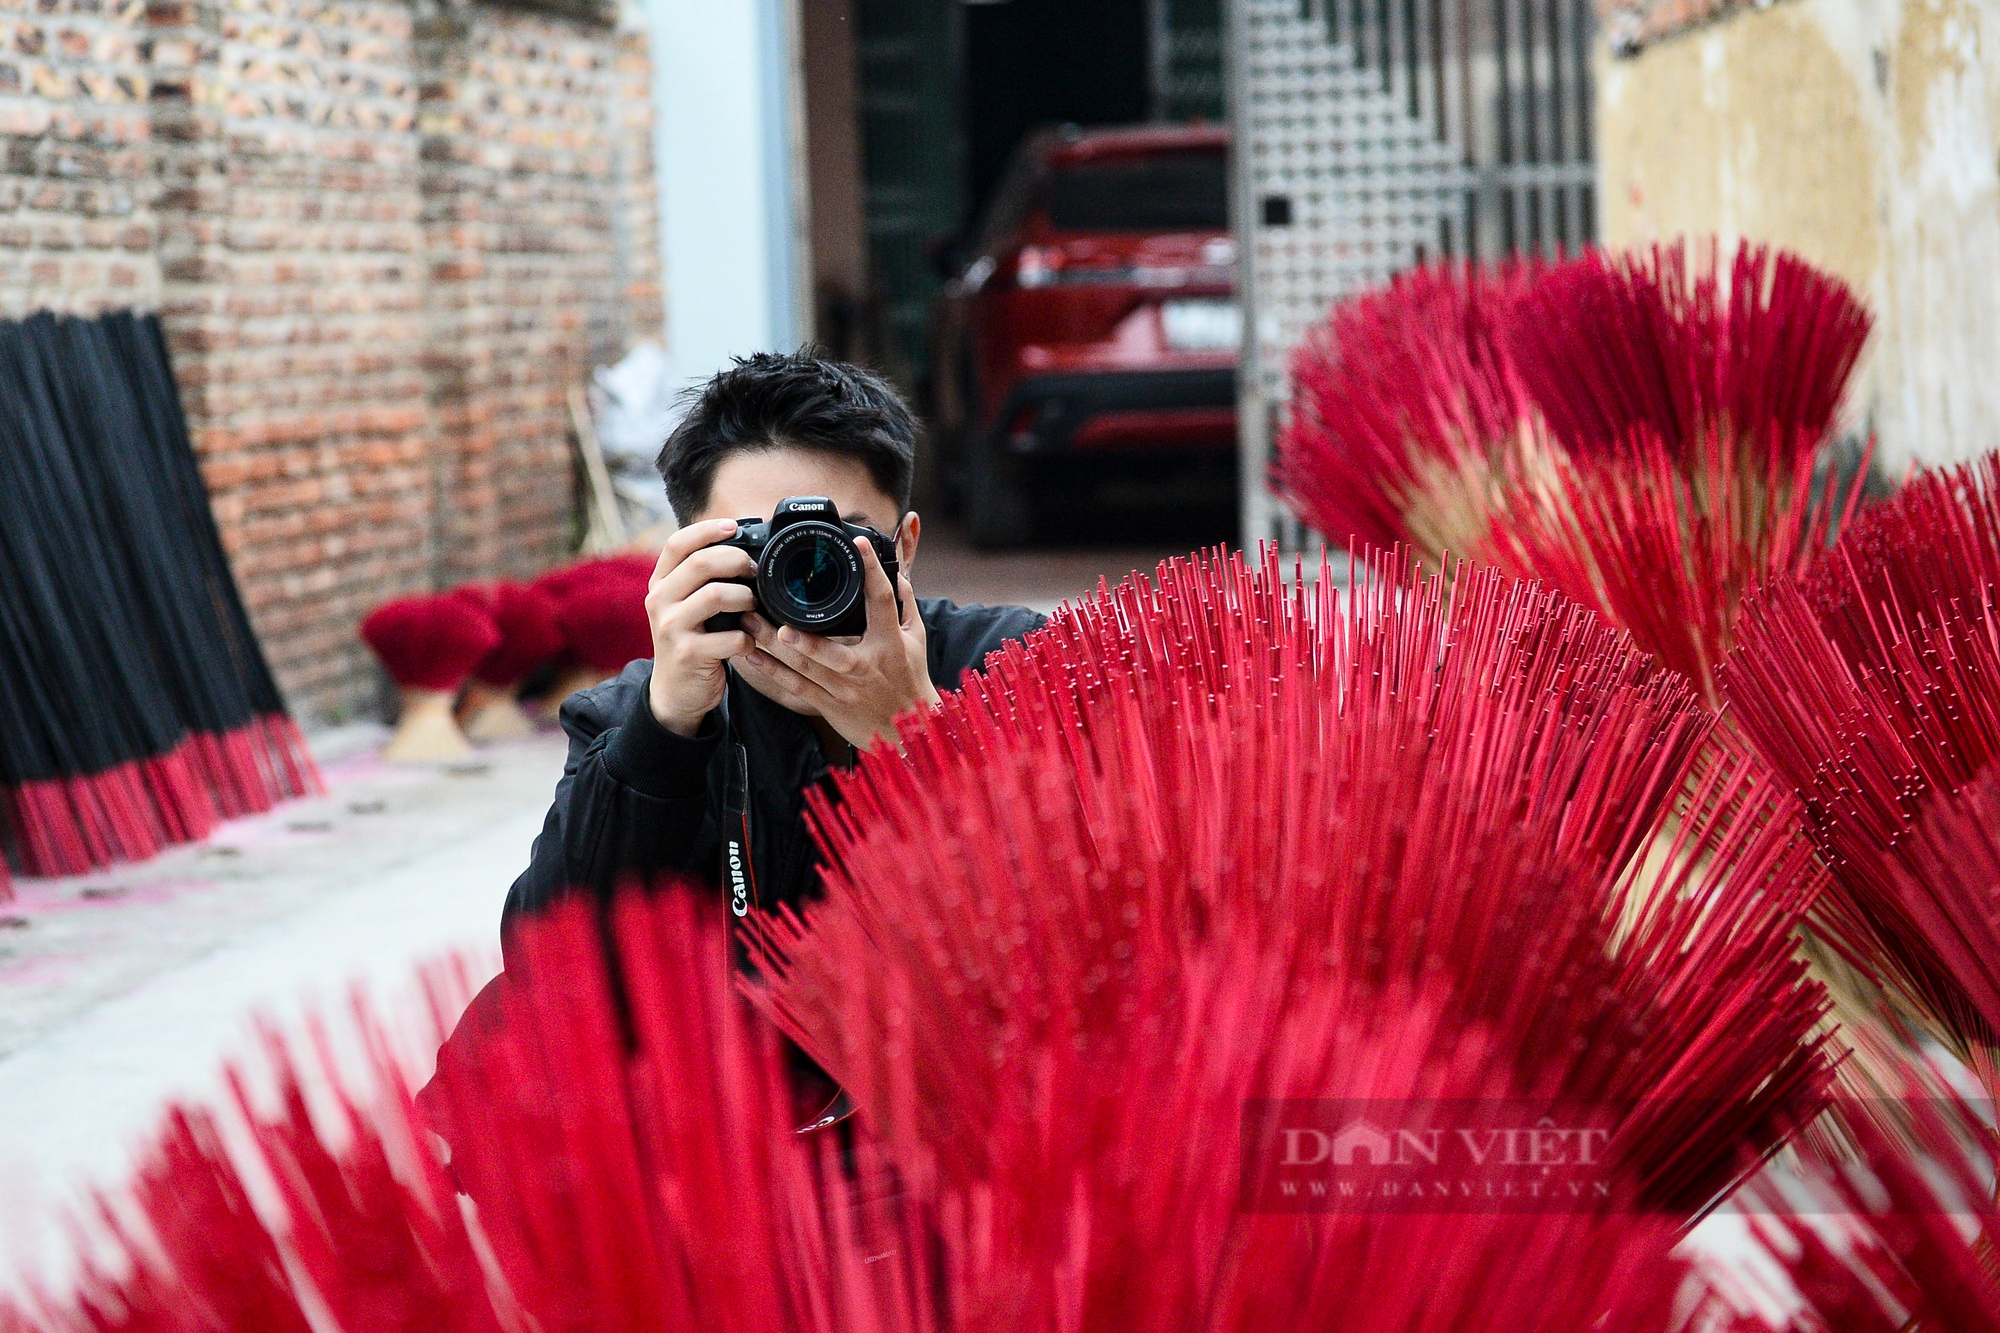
{"points": [[383, 253]]}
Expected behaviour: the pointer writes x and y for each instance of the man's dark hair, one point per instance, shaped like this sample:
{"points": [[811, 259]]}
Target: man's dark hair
{"points": [[797, 400]]}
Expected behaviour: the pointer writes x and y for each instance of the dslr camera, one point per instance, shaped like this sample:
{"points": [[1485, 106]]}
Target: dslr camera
{"points": [[809, 574]]}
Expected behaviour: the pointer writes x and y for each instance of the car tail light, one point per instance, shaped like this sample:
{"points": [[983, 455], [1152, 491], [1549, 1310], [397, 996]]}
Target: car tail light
{"points": [[1047, 266], [1050, 266]]}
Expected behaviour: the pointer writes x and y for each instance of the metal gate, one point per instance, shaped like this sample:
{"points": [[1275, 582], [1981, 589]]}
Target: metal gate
{"points": [[1372, 135]]}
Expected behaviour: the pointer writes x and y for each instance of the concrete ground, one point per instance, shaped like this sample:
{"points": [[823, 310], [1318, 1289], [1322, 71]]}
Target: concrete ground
{"points": [[123, 989], [1041, 577]]}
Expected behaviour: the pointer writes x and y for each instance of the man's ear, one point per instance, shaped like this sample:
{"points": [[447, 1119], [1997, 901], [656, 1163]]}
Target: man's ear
{"points": [[906, 542]]}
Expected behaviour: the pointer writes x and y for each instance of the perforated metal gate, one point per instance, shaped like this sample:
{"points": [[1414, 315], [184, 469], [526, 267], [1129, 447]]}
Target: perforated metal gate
{"points": [[1371, 135]]}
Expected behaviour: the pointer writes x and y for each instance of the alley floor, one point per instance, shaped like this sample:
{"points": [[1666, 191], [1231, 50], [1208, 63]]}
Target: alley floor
{"points": [[123, 989]]}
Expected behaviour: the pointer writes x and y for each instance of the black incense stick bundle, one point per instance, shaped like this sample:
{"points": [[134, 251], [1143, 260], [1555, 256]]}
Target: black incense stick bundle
{"points": [[136, 708]]}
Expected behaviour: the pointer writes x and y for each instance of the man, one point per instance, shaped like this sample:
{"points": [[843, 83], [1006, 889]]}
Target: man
{"points": [[650, 782]]}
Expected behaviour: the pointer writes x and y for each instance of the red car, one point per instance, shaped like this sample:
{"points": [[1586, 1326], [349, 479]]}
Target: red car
{"points": [[1090, 329]]}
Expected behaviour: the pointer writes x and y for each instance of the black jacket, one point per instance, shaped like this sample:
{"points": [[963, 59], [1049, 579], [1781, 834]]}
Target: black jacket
{"points": [[637, 800]]}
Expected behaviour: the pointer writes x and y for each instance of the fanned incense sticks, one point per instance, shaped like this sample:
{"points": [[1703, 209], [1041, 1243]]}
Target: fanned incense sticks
{"points": [[629, 1156], [530, 638], [604, 623], [1467, 789], [1643, 431], [459, 658], [1667, 541], [136, 709], [631, 1166], [1403, 408], [1873, 689], [1756, 351], [429, 645], [601, 609]]}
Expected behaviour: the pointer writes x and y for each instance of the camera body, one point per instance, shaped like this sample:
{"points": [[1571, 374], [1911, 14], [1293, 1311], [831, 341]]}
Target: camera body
{"points": [[809, 574]]}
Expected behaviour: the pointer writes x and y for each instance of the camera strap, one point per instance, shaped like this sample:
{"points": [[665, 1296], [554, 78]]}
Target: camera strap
{"points": [[739, 872], [739, 868]]}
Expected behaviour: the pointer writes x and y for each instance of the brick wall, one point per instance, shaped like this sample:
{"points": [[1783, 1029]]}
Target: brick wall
{"points": [[637, 219], [76, 196], [292, 287], [521, 186], [385, 241]]}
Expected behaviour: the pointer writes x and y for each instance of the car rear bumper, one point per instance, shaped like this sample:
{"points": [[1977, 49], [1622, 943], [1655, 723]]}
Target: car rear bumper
{"points": [[1119, 411]]}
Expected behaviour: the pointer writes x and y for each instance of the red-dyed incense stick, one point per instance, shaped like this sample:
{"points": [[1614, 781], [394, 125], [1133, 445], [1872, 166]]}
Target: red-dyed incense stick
{"points": [[1873, 689], [1471, 787]]}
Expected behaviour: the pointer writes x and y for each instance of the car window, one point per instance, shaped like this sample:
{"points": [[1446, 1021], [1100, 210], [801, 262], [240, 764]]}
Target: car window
{"points": [[1185, 191]]}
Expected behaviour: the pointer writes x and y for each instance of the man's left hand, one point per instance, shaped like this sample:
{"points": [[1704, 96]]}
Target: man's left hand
{"points": [[860, 686]]}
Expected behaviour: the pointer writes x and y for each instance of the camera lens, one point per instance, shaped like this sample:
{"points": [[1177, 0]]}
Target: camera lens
{"points": [[809, 576], [811, 572]]}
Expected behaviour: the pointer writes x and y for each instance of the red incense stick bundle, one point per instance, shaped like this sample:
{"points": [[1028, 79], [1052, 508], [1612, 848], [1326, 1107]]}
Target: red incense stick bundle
{"points": [[630, 1159], [1667, 540], [601, 609], [1403, 405], [429, 645], [630, 1165], [1389, 778], [628, 567], [1157, 1175], [604, 624], [1640, 430], [1756, 350], [560, 586], [1694, 402], [1873, 688], [530, 638]]}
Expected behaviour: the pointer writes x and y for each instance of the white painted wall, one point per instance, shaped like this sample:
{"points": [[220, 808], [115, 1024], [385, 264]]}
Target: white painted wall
{"points": [[723, 90], [1863, 134]]}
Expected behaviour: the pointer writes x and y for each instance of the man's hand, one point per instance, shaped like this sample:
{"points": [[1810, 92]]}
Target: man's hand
{"points": [[860, 687], [688, 662]]}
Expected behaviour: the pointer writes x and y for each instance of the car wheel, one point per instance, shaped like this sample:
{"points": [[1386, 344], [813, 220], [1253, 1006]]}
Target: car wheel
{"points": [[997, 508]]}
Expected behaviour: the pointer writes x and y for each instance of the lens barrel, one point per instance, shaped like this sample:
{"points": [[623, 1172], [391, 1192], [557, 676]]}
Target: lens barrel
{"points": [[809, 575]]}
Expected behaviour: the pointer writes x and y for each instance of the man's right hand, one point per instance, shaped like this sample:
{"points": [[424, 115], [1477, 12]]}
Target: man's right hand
{"points": [[689, 671]]}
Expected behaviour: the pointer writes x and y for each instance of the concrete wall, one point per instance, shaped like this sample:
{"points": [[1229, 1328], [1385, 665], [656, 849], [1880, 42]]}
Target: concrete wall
{"points": [[385, 239], [1864, 134], [724, 76]]}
